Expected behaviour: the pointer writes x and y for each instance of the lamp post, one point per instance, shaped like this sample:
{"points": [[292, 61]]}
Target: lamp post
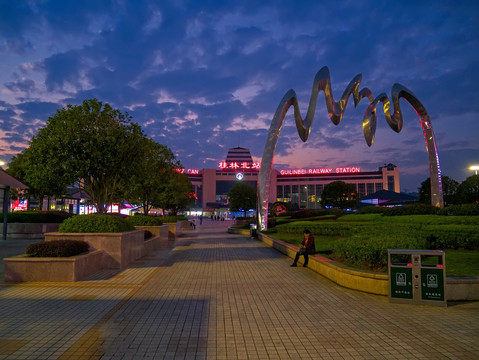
{"points": [[474, 168]]}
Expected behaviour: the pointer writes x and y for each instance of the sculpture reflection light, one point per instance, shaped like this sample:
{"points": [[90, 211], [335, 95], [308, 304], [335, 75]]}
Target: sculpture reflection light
{"points": [[336, 110]]}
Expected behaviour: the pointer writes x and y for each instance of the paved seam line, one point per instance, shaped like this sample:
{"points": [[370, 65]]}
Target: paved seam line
{"points": [[89, 345]]}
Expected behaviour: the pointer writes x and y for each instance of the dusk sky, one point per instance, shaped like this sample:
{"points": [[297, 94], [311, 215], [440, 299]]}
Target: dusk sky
{"points": [[205, 76]]}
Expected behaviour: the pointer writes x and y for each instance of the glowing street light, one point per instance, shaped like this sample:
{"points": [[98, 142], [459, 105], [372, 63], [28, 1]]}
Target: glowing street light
{"points": [[2, 163], [474, 168]]}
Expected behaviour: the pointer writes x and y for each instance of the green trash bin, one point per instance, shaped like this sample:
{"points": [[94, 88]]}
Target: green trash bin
{"points": [[417, 276], [252, 230]]}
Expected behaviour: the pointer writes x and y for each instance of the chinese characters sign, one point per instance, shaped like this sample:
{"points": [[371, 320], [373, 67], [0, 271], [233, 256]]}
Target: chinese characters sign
{"points": [[224, 165]]}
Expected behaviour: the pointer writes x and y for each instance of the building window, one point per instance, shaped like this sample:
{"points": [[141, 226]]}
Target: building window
{"points": [[279, 193], [295, 194], [287, 193], [303, 197], [370, 188], [361, 189], [311, 197], [391, 182], [379, 186]]}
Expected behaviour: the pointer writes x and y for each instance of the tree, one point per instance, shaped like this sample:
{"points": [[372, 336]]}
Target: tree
{"points": [[449, 190], [146, 185], [468, 190], [44, 179], [176, 192], [242, 196], [339, 194], [91, 144]]}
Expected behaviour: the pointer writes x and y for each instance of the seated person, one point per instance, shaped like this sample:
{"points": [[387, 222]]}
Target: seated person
{"points": [[306, 248]]}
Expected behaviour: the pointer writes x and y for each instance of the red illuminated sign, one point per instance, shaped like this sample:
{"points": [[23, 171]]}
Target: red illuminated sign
{"points": [[188, 171], [311, 171]]}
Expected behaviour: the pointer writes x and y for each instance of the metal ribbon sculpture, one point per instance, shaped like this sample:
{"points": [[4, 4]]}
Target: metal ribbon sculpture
{"points": [[336, 110]]}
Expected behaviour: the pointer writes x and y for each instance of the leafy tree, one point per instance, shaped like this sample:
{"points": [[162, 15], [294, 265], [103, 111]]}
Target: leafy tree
{"points": [[242, 196], [175, 193], [468, 190], [92, 144], [339, 194], [449, 190], [147, 184], [45, 179]]}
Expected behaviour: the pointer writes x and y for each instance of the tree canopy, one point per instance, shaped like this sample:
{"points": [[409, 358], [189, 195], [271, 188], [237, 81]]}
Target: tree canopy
{"points": [[468, 190], [449, 190], [339, 194], [91, 144], [242, 197], [176, 192], [155, 169]]}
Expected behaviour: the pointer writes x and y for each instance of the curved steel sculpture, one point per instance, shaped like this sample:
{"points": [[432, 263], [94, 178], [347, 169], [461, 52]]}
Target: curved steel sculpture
{"points": [[336, 110]]}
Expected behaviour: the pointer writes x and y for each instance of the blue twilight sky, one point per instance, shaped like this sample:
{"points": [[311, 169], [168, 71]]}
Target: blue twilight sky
{"points": [[205, 76]]}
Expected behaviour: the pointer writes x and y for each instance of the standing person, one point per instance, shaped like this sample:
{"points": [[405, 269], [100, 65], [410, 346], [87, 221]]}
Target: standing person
{"points": [[201, 219], [306, 248]]}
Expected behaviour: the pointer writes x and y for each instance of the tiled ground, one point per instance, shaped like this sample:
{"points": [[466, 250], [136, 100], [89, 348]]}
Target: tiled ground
{"points": [[221, 296]]}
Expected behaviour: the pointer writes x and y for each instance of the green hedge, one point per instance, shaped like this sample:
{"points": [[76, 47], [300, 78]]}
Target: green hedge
{"points": [[461, 210], [36, 217], [57, 248], [412, 209], [95, 223], [371, 252], [144, 220], [372, 210], [324, 228], [172, 219]]}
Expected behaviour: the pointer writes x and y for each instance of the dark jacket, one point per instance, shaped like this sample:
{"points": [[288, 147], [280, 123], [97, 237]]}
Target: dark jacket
{"points": [[309, 245]]}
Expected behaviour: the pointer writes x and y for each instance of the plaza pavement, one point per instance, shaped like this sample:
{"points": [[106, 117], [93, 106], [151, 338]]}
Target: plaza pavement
{"points": [[214, 295]]}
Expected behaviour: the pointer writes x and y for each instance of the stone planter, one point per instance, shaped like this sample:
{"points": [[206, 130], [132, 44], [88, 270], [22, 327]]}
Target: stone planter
{"points": [[107, 250], [56, 269], [120, 248], [30, 230]]}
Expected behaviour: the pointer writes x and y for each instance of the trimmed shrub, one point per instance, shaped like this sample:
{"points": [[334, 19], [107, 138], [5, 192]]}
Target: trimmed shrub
{"points": [[173, 219], [95, 223], [144, 220], [317, 228], [412, 209], [271, 222], [371, 252], [461, 210], [451, 237], [37, 217], [372, 210], [57, 248]]}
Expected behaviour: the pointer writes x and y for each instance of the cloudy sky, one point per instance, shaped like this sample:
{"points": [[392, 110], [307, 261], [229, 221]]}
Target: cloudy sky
{"points": [[205, 76]]}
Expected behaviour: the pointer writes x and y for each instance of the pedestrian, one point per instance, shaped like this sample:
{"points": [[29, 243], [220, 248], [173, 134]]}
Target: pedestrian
{"points": [[201, 219], [306, 248]]}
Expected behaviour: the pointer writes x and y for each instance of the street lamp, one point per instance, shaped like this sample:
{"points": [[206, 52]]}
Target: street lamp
{"points": [[474, 168], [2, 163]]}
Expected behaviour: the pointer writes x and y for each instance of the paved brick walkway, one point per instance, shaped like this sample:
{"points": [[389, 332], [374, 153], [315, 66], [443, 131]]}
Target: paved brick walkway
{"points": [[213, 295]]}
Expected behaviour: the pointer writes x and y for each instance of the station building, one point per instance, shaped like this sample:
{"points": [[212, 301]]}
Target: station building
{"points": [[298, 186]]}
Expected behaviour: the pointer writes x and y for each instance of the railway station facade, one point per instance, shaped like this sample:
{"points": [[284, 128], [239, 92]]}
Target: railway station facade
{"points": [[302, 187]]}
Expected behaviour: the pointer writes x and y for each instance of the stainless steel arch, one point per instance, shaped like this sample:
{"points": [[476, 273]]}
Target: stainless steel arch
{"points": [[336, 110]]}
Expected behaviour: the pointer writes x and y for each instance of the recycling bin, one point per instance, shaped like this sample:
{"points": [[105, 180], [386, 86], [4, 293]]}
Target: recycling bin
{"points": [[417, 276], [252, 230]]}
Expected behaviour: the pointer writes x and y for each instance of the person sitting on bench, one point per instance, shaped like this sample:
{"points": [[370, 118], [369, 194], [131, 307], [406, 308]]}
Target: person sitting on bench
{"points": [[306, 248]]}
